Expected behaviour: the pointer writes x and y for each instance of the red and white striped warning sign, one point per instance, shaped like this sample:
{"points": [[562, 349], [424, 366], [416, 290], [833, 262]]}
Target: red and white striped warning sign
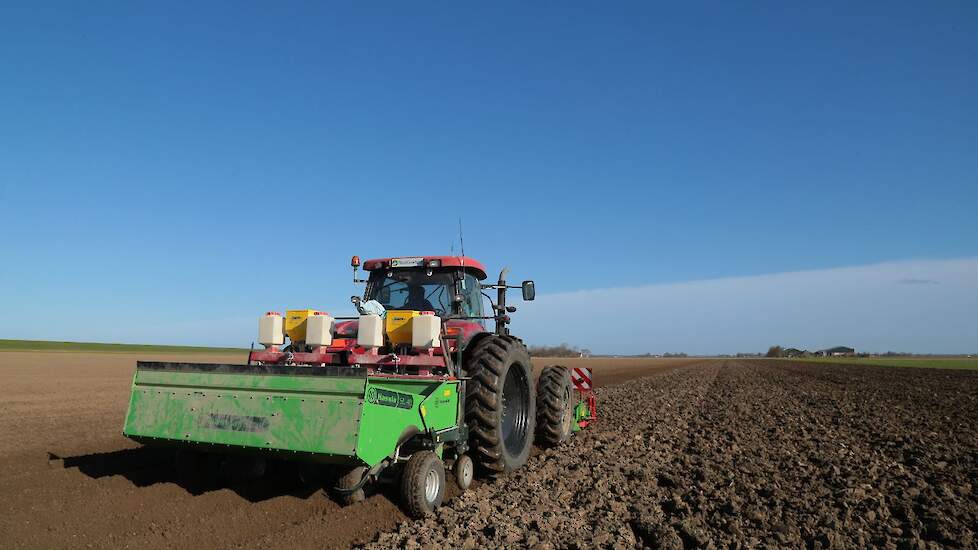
{"points": [[581, 378]]}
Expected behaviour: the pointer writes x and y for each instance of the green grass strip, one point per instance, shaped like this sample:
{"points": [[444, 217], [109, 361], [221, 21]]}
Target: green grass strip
{"points": [[966, 363], [45, 345]]}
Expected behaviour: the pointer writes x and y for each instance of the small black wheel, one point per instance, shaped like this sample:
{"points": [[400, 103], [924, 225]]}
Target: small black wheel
{"points": [[349, 480], [464, 471], [555, 406], [423, 484]]}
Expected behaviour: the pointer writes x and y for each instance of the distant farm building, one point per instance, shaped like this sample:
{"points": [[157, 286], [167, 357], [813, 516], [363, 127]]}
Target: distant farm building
{"points": [[795, 352], [838, 351]]}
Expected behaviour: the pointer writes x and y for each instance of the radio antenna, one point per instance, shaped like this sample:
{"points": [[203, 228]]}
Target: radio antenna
{"points": [[461, 243], [461, 240]]}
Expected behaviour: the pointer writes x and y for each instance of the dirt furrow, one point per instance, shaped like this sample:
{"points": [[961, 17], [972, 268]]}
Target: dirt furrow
{"points": [[586, 492], [69, 479], [743, 454], [714, 453]]}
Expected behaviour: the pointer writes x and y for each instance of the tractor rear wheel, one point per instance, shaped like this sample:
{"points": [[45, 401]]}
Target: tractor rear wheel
{"points": [[555, 408], [500, 405]]}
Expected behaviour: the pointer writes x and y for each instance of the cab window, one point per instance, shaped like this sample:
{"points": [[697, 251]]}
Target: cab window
{"points": [[413, 289], [471, 297]]}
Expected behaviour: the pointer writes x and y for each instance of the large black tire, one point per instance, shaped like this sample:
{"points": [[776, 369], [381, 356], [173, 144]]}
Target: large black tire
{"points": [[500, 405], [555, 406], [422, 484]]}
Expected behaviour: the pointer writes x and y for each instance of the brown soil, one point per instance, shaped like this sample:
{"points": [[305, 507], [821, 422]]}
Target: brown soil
{"points": [[743, 454], [688, 453], [71, 480]]}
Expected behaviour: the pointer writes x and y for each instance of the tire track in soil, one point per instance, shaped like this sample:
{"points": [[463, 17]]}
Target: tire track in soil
{"points": [[587, 499], [363, 522]]}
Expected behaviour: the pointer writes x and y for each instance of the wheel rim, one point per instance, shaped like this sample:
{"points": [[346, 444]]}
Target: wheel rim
{"points": [[567, 416], [466, 472], [516, 399], [431, 485]]}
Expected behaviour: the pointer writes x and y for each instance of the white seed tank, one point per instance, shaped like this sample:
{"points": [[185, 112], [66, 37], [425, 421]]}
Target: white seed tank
{"points": [[319, 329], [270, 331], [370, 334], [426, 331]]}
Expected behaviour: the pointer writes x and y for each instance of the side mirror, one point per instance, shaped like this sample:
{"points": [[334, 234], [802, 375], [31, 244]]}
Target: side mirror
{"points": [[529, 291]]}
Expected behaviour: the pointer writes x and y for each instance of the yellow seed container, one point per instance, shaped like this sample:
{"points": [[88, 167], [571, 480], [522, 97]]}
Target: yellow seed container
{"points": [[295, 323], [399, 325]]}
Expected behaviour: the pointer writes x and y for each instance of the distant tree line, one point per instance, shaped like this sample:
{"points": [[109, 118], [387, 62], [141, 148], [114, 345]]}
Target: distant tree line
{"points": [[563, 350]]}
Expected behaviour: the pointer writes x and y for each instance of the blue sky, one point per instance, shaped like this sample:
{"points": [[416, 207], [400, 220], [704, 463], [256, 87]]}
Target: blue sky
{"points": [[190, 166]]}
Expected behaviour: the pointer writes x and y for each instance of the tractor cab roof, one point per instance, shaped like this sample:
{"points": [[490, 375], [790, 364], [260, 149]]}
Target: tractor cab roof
{"points": [[470, 264]]}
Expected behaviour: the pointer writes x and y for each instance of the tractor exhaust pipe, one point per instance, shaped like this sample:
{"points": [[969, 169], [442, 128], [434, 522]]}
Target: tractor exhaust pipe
{"points": [[501, 317]]}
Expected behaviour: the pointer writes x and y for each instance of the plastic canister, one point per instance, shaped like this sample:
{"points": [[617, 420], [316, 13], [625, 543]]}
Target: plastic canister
{"points": [[319, 329], [426, 330], [371, 331], [270, 329]]}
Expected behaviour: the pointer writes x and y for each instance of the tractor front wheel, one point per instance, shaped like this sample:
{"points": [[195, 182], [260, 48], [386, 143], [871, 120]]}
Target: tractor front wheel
{"points": [[422, 483], [500, 405]]}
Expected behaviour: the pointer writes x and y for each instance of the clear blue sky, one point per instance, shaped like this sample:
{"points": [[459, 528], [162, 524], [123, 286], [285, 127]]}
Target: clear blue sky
{"points": [[179, 161]]}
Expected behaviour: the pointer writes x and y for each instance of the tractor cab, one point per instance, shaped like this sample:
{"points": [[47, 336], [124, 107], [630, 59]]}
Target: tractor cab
{"points": [[447, 285]]}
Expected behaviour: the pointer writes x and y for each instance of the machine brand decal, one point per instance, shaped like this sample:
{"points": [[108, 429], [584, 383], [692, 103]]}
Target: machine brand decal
{"points": [[407, 262], [387, 398], [235, 423]]}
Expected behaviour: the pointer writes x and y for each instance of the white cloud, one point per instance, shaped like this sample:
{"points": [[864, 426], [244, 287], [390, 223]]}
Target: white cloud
{"points": [[920, 306]]}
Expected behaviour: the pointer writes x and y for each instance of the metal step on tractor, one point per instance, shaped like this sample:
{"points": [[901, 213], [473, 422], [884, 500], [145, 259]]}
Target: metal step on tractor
{"points": [[412, 383]]}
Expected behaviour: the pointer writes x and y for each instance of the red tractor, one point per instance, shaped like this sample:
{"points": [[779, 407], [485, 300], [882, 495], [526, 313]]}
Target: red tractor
{"points": [[503, 413], [413, 384]]}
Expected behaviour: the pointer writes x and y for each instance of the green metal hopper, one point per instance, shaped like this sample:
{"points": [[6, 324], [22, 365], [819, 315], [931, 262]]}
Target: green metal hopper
{"points": [[324, 414]]}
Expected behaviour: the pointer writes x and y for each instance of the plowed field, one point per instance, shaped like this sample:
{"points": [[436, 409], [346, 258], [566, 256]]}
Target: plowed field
{"points": [[687, 453], [69, 479]]}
